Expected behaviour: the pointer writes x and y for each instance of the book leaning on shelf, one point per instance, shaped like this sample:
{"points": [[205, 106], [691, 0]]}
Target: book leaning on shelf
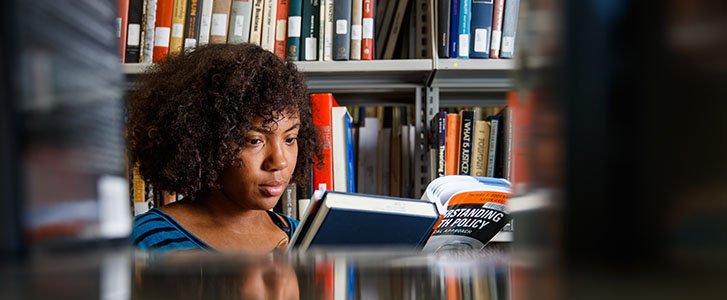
{"points": [[456, 212]]}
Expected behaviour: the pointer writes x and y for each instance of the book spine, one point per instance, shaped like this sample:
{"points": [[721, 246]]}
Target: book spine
{"points": [[122, 23], [281, 29], [290, 201], [179, 13], [149, 25], [443, 15], [220, 15], [239, 27], [454, 29], [310, 30], [452, 144], [509, 28], [395, 29], [465, 156], [205, 23], [465, 17], [162, 30], [342, 27], [270, 14], [367, 30], [356, 29], [441, 143], [328, 29], [368, 156], [482, 11], [350, 162], [134, 31], [321, 105], [495, 41], [256, 25], [507, 143], [479, 148], [493, 145], [295, 20], [191, 25]]}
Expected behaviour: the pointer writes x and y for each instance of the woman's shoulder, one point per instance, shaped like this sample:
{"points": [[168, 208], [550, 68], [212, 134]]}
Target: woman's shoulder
{"points": [[155, 230]]}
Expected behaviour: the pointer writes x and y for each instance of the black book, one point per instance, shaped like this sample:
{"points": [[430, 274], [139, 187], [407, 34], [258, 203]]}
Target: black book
{"points": [[134, 30], [342, 30], [192, 22], [465, 152], [443, 30], [441, 145]]}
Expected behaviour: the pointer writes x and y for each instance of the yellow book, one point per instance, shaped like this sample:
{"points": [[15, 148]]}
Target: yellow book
{"points": [[179, 12], [480, 147]]}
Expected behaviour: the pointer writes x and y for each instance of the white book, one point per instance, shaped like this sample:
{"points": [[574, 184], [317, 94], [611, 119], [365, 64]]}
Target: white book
{"points": [[149, 26], [270, 14], [368, 140], [256, 23], [205, 23], [356, 28], [328, 31], [339, 151]]}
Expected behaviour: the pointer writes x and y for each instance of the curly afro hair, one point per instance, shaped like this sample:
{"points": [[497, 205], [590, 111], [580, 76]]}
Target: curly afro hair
{"points": [[189, 110]]}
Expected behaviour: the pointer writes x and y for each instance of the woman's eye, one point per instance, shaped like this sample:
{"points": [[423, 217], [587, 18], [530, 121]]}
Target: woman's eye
{"points": [[254, 141], [291, 140]]}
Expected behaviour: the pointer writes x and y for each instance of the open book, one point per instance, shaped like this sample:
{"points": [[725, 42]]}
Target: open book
{"points": [[456, 212]]}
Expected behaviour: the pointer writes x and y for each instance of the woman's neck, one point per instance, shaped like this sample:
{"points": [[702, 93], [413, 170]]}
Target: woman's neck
{"points": [[226, 211]]}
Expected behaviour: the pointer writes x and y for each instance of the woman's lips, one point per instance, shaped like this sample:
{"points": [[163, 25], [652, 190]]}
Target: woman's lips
{"points": [[272, 189]]}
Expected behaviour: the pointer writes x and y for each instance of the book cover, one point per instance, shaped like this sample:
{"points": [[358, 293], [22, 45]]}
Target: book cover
{"points": [[356, 29], [256, 23], [465, 149], [443, 16], [179, 13], [395, 29], [310, 30], [441, 145], [295, 21], [220, 16], [359, 220], [281, 29], [494, 143], [454, 29], [205, 19], [481, 30], [368, 156], [240, 18], [339, 148], [270, 14], [122, 23], [465, 18], [509, 28], [342, 30], [350, 154], [134, 31], [162, 30], [321, 105], [452, 144], [192, 24], [367, 23], [495, 41], [480, 146]]}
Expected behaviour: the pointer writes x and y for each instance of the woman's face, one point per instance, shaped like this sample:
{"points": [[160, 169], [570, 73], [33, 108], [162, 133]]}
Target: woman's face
{"points": [[268, 155]]}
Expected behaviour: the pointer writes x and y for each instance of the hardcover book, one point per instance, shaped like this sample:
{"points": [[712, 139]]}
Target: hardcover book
{"points": [[360, 220], [179, 13], [220, 16], [356, 29], [205, 22], [147, 52], [481, 30], [240, 17], [192, 24], [256, 22], [270, 15], [465, 17], [454, 29], [342, 30], [321, 105], [281, 29], [295, 21], [443, 16], [134, 31], [162, 30], [367, 34], [310, 30], [496, 39], [509, 28], [465, 149]]}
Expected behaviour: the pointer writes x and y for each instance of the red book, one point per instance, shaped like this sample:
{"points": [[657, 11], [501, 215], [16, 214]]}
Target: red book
{"points": [[122, 21], [499, 8], [367, 38], [323, 277], [321, 105], [451, 150], [522, 118], [162, 30], [281, 29]]}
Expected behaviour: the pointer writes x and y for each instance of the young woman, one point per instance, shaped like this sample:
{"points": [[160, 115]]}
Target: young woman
{"points": [[228, 127]]}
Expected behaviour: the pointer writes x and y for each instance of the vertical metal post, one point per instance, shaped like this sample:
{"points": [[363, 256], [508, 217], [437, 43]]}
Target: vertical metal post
{"points": [[426, 106]]}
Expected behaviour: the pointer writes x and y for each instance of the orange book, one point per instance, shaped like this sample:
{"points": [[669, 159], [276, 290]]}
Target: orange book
{"points": [[452, 145], [522, 115], [367, 38], [162, 29], [321, 105], [454, 285], [122, 21], [281, 29]]}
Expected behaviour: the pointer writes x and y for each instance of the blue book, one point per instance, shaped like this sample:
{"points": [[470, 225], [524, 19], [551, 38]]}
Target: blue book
{"points": [[481, 30], [465, 17], [509, 28], [454, 27], [350, 162], [347, 220]]}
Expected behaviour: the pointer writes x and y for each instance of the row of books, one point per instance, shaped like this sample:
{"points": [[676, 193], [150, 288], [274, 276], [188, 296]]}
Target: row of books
{"points": [[477, 28], [298, 30]]}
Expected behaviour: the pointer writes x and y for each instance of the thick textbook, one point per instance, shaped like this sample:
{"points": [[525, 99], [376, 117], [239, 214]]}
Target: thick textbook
{"points": [[358, 220]]}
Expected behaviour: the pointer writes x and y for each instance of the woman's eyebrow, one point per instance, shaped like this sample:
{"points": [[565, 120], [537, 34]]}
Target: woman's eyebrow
{"points": [[268, 131], [293, 127]]}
